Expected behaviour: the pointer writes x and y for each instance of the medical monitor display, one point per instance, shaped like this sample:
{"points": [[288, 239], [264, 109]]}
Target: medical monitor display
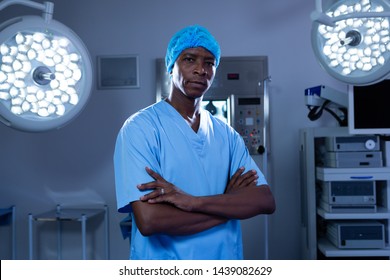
{"points": [[369, 109]]}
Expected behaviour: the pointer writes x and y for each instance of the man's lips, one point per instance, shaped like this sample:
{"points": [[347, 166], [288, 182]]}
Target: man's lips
{"points": [[202, 83]]}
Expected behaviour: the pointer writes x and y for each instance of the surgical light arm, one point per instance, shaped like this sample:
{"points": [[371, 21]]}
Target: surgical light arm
{"points": [[47, 7], [320, 98], [315, 96]]}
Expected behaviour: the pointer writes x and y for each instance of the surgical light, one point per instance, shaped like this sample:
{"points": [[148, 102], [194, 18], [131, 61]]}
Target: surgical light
{"points": [[351, 40], [45, 71]]}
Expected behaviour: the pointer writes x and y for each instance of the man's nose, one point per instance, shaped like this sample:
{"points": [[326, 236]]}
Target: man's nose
{"points": [[200, 69]]}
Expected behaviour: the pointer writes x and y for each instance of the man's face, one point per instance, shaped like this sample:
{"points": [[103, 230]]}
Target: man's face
{"points": [[193, 72]]}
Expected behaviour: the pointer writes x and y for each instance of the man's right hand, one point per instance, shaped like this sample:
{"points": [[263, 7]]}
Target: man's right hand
{"points": [[241, 180]]}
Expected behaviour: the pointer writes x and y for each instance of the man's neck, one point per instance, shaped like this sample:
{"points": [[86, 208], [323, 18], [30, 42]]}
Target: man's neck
{"points": [[188, 108]]}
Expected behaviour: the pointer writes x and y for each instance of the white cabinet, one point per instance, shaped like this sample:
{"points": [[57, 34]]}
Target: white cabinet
{"points": [[315, 220]]}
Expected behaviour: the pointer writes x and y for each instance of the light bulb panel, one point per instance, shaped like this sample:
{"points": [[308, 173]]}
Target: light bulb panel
{"points": [[355, 50], [45, 74]]}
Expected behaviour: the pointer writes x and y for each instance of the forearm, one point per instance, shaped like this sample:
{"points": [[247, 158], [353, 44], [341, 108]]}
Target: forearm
{"points": [[181, 213], [240, 204], [167, 219]]}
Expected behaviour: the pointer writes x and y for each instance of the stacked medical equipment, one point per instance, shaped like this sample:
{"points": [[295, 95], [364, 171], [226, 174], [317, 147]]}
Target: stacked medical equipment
{"points": [[352, 196], [358, 195], [344, 231], [353, 151]]}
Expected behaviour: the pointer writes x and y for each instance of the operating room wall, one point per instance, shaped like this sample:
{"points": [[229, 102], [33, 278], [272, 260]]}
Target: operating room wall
{"points": [[73, 166]]}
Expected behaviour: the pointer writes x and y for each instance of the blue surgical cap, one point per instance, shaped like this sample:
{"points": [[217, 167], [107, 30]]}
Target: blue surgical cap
{"points": [[191, 37]]}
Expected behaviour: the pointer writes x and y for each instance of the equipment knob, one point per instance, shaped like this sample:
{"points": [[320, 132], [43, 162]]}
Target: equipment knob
{"points": [[261, 149], [370, 144]]}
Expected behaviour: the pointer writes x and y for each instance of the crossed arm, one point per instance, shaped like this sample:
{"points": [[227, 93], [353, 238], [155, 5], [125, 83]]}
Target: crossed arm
{"points": [[169, 210]]}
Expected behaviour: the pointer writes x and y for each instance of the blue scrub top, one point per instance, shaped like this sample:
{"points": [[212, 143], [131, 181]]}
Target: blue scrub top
{"points": [[198, 163]]}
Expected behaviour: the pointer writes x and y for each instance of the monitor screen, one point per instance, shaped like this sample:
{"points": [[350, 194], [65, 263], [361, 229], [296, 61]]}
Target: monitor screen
{"points": [[369, 109]]}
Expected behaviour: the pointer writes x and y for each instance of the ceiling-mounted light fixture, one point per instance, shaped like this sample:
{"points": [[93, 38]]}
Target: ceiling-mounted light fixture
{"points": [[351, 40], [45, 71]]}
